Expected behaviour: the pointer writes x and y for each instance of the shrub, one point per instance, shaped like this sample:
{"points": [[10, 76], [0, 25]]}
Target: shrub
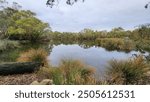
{"points": [[69, 72], [75, 72], [51, 73], [34, 55], [133, 71], [116, 43], [8, 44], [143, 45]]}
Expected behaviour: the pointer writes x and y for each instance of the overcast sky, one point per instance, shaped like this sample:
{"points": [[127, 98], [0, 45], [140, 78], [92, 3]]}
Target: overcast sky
{"points": [[94, 14]]}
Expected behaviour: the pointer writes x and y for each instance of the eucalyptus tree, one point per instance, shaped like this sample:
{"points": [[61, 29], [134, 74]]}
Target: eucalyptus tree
{"points": [[26, 26], [6, 12]]}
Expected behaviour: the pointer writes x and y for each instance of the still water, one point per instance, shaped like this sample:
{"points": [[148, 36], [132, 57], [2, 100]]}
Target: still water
{"points": [[97, 57]]}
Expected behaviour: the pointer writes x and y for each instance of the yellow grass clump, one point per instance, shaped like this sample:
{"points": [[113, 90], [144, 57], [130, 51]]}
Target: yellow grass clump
{"points": [[34, 55], [132, 71], [69, 72]]}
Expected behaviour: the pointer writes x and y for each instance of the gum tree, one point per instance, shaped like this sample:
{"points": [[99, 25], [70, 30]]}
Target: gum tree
{"points": [[27, 27]]}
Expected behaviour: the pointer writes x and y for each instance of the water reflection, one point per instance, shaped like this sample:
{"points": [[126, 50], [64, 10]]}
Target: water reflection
{"points": [[97, 57]]}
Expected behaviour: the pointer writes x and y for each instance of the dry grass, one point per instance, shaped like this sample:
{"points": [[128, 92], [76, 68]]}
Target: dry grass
{"points": [[34, 55], [132, 71], [75, 72], [69, 72]]}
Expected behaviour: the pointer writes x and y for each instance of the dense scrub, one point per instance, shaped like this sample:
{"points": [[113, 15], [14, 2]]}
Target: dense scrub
{"points": [[116, 44], [8, 44], [18, 24], [116, 39]]}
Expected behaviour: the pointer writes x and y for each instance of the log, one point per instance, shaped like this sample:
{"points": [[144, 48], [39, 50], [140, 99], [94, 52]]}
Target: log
{"points": [[19, 68]]}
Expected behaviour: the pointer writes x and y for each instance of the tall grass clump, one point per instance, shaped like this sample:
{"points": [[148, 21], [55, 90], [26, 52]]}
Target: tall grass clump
{"points": [[34, 55], [8, 44], [69, 72], [75, 72], [132, 71], [51, 73]]}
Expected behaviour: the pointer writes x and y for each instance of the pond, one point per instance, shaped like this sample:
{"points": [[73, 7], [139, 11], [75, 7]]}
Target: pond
{"points": [[97, 57]]}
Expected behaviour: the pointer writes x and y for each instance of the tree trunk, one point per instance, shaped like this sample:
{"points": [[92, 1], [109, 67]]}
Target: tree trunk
{"points": [[19, 68]]}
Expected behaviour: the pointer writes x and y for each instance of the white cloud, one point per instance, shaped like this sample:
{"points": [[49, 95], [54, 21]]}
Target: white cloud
{"points": [[95, 14]]}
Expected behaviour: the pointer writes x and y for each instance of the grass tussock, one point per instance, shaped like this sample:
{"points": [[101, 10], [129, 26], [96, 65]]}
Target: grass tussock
{"points": [[133, 71], [34, 55], [8, 44], [69, 72], [116, 44]]}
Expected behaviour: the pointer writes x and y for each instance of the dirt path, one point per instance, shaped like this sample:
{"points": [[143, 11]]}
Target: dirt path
{"points": [[20, 79]]}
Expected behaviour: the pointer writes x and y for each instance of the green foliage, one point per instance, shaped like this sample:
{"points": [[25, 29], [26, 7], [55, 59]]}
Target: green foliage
{"points": [[118, 33], [142, 44], [19, 24], [6, 12], [141, 37], [144, 31], [133, 71], [116, 44], [69, 72], [75, 72], [27, 27], [8, 44], [51, 73]]}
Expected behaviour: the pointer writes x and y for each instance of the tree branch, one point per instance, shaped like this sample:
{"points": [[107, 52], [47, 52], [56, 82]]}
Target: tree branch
{"points": [[51, 3], [146, 6]]}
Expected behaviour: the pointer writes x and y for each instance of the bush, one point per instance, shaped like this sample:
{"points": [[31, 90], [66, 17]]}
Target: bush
{"points": [[116, 43], [51, 73], [133, 71], [143, 45], [34, 55], [8, 44], [25, 26], [76, 72], [69, 72]]}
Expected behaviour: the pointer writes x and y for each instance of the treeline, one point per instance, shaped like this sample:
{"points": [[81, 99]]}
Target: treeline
{"points": [[116, 39]]}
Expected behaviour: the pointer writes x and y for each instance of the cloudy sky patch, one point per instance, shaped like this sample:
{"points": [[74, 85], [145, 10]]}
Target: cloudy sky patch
{"points": [[94, 14]]}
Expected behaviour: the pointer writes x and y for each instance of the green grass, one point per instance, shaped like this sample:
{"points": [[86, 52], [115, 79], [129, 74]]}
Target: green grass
{"points": [[69, 72]]}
